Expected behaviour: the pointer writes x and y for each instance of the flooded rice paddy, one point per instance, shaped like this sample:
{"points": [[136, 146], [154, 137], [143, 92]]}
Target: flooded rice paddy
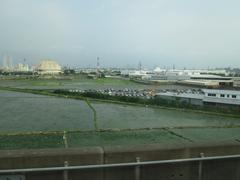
{"points": [[22, 112], [27, 112]]}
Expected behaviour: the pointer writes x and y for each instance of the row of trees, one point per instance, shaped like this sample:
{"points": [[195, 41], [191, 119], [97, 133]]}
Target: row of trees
{"points": [[139, 100], [156, 101], [6, 73]]}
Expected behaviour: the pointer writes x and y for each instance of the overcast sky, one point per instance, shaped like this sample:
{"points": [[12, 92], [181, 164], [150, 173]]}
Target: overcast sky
{"points": [[187, 33]]}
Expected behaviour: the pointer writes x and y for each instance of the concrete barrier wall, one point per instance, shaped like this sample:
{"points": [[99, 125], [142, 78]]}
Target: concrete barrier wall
{"points": [[54, 158], [217, 169], [146, 153]]}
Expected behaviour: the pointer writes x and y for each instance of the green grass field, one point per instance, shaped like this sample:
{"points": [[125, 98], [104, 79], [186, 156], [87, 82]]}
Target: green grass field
{"points": [[82, 83]]}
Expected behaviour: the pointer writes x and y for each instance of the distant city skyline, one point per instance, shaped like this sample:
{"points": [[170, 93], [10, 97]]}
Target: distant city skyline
{"points": [[164, 33]]}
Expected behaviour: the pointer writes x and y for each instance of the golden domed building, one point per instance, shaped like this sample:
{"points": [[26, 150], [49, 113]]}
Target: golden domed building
{"points": [[48, 67]]}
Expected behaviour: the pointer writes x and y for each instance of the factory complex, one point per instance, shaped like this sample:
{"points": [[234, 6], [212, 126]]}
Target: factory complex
{"points": [[203, 78], [48, 67], [213, 97], [44, 67], [197, 77]]}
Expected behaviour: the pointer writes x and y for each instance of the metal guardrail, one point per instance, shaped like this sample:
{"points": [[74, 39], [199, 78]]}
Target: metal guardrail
{"points": [[131, 164]]}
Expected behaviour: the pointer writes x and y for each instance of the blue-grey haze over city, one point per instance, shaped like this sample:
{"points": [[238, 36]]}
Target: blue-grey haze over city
{"points": [[192, 34]]}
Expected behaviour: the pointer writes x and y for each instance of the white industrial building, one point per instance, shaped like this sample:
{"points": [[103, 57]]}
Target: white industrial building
{"points": [[221, 96], [205, 96], [21, 67], [48, 67]]}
